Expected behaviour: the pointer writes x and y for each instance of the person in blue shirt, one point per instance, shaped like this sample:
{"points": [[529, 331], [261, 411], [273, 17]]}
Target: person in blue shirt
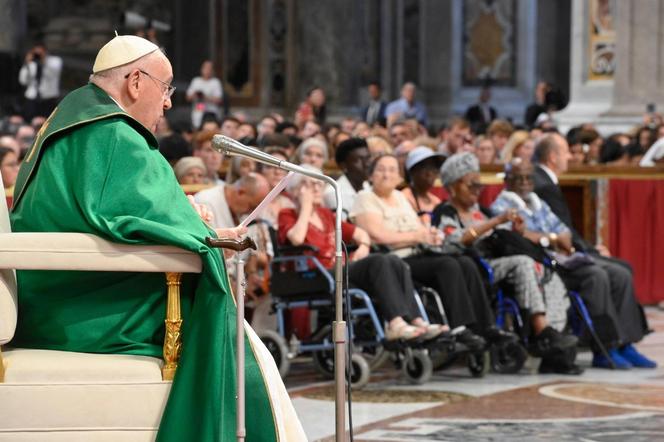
{"points": [[406, 107], [616, 315]]}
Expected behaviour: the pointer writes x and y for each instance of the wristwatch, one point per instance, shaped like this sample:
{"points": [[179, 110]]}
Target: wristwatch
{"points": [[553, 238], [544, 241]]}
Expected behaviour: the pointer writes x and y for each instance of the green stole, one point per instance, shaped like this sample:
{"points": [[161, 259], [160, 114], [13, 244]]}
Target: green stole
{"points": [[94, 169]]}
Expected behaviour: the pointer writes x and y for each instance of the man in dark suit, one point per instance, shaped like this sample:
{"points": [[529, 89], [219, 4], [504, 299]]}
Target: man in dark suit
{"points": [[374, 112], [481, 114], [552, 155]]}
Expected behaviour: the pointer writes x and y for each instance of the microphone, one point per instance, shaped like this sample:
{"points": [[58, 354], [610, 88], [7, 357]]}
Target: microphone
{"points": [[231, 147]]}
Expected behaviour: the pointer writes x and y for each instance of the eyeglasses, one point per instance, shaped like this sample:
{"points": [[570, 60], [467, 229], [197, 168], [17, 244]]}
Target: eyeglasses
{"points": [[168, 92], [474, 186]]}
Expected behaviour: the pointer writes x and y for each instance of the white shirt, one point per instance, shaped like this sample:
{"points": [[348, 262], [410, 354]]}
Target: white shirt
{"points": [[49, 86], [549, 172], [348, 195], [210, 88], [215, 199], [655, 153]]}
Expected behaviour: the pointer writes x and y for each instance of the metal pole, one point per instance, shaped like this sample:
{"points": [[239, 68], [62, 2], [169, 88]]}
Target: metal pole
{"points": [[339, 327], [241, 284], [232, 147]]}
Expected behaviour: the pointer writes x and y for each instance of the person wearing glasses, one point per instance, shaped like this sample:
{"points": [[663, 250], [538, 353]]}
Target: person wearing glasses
{"points": [[465, 226], [95, 167], [616, 315], [387, 216], [384, 277]]}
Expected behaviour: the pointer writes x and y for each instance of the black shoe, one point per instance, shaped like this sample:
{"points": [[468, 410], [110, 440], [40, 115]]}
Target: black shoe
{"points": [[472, 341], [561, 363], [550, 341], [494, 335]]}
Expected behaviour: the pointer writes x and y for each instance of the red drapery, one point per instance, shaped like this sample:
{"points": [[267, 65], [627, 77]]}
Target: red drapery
{"points": [[636, 232]]}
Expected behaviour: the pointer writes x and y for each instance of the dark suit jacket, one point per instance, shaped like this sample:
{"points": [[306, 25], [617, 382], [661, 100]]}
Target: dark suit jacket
{"points": [[475, 117], [381, 113], [551, 193]]}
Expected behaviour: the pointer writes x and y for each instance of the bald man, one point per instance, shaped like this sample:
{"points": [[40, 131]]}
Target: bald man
{"points": [[229, 202], [95, 168]]}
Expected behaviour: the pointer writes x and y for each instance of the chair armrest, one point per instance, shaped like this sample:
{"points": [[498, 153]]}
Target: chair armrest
{"points": [[82, 251]]}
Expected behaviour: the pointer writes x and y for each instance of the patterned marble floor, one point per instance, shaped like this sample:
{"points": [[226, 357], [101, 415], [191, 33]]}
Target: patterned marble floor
{"points": [[599, 406]]}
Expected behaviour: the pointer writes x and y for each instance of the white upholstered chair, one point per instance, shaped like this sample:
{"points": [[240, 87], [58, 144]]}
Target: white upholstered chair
{"points": [[50, 395]]}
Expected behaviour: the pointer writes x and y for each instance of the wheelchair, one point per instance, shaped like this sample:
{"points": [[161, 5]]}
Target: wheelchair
{"points": [[298, 279], [443, 356], [509, 315]]}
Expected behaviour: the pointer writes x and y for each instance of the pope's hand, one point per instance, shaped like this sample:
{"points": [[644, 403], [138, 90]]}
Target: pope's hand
{"points": [[202, 210], [232, 233]]}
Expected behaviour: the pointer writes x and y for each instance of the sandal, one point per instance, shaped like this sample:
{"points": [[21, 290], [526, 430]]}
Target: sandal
{"points": [[403, 330], [433, 330]]}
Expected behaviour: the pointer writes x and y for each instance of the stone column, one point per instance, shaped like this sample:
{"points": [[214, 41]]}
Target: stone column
{"points": [[639, 76], [617, 104], [13, 22], [589, 98]]}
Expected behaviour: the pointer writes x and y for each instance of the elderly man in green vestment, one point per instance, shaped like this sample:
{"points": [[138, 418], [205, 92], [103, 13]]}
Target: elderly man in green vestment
{"points": [[95, 168]]}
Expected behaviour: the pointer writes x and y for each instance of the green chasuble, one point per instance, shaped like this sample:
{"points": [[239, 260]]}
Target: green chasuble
{"points": [[94, 169]]}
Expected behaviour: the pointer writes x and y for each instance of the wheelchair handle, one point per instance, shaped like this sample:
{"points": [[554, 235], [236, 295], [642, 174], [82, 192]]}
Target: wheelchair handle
{"points": [[232, 244]]}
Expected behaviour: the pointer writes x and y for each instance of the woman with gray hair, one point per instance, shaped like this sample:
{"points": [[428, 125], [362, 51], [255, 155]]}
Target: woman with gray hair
{"points": [[312, 151], [190, 170], [465, 225], [384, 277]]}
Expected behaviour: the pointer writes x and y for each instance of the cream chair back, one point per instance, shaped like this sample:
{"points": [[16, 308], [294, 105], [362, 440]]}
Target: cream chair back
{"points": [[8, 298]]}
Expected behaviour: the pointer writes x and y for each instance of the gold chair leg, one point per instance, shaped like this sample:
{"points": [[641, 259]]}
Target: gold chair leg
{"points": [[173, 338]]}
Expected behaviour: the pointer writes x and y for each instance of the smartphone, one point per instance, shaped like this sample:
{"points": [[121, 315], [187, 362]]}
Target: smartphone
{"points": [[651, 108]]}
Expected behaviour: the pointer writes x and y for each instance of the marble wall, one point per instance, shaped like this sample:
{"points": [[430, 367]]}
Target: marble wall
{"points": [[332, 48], [292, 45]]}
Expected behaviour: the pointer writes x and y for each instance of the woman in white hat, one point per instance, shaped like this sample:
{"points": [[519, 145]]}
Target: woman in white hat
{"points": [[422, 167]]}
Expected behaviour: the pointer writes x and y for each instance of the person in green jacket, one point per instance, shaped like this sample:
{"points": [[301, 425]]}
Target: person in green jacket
{"points": [[95, 168]]}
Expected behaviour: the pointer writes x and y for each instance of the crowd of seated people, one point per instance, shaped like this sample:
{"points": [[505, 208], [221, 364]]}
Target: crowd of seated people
{"points": [[385, 277], [391, 198]]}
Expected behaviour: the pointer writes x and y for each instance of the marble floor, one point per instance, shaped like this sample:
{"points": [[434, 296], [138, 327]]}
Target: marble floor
{"points": [[598, 406]]}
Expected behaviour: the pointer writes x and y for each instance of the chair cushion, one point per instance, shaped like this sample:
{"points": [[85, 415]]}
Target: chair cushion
{"points": [[28, 366], [60, 391]]}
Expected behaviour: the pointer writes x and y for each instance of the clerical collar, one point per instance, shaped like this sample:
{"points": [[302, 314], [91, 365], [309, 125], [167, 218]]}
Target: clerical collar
{"points": [[549, 172], [116, 101]]}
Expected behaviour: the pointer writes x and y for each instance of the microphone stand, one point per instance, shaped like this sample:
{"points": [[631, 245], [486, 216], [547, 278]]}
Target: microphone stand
{"points": [[232, 147]]}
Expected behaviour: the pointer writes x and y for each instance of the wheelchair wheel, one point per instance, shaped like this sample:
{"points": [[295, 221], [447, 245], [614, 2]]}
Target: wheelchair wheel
{"points": [[277, 347], [507, 358], [360, 371], [477, 364], [417, 367]]}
